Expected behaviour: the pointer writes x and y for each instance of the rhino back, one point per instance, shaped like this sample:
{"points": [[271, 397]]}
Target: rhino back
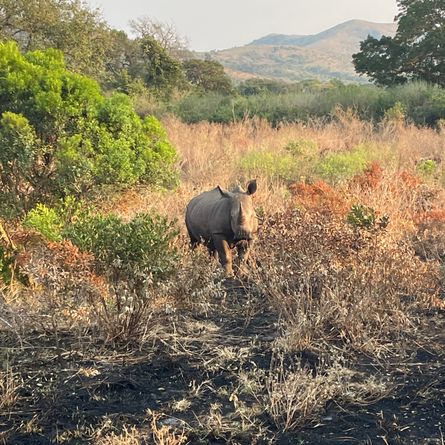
{"points": [[207, 214]]}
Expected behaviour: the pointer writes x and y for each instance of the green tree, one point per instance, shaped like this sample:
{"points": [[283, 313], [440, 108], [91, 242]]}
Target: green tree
{"points": [[68, 25], [417, 51], [59, 134], [208, 75], [163, 72]]}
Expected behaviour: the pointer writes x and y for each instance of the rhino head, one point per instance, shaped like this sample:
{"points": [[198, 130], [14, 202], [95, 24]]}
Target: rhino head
{"points": [[243, 220]]}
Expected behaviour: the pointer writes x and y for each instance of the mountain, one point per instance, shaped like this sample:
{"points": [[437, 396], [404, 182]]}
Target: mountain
{"points": [[323, 56]]}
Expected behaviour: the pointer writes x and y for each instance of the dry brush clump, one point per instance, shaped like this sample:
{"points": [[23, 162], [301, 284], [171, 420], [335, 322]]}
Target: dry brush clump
{"points": [[333, 282], [295, 397]]}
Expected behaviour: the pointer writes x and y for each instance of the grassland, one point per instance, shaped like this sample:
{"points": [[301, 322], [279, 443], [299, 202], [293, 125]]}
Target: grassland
{"points": [[334, 334]]}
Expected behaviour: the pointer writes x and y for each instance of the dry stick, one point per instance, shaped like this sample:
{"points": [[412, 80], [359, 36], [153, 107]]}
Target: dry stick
{"points": [[6, 237]]}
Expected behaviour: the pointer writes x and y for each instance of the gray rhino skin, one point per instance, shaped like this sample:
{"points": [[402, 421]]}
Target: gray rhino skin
{"points": [[222, 220]]}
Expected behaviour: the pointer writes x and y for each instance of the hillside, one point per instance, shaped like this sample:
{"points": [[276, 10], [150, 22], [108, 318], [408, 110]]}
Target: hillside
{"points": [[323, 56]]}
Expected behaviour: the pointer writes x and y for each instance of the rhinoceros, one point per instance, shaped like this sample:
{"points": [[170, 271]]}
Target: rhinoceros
{"points": [[221, 220]]}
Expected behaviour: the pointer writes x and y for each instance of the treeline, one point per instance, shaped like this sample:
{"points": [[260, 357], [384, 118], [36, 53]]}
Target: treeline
{"points": [[161, 75], [418, 102], [156, 63]]}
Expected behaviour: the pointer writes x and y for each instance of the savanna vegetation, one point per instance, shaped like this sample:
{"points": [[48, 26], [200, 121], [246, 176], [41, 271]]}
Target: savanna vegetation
{"points": [[113, 332]]}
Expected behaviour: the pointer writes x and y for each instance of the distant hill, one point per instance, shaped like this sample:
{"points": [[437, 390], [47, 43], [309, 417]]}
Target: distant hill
{"points": [[323, 56]]}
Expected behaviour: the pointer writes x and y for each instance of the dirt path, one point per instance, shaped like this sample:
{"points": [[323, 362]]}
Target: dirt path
{"points": [[75, 391]]}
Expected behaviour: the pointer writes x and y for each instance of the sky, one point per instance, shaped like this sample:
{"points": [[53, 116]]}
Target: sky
{"points": [[219, 24]]}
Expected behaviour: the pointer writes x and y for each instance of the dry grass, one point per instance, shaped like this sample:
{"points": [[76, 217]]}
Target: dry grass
{"points": [[9, 386], [295, 397], [210, 154], [332, 285]]}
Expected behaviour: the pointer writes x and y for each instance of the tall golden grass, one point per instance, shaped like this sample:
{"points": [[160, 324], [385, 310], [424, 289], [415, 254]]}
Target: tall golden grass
{"points": [[209, 154]]}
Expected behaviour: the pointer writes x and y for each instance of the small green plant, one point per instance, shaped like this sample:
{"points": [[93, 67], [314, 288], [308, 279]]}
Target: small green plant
{"points": [[363, 217], [52, 221], [427, 168], [338, 167], [301, 147], [45, 220]]}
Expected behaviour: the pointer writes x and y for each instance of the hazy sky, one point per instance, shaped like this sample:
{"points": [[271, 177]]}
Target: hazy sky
{"points": [[218, 24]]}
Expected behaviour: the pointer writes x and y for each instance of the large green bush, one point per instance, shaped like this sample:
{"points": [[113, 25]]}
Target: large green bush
{"points": [[129, 251], [135, 250], [59, 134]]}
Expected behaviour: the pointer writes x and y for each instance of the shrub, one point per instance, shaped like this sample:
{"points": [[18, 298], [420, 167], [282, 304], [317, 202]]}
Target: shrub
{"points": [[396, 113], [59, 134], [361, 216], [340, 166], [269, 163], [318, 197], [416, 101], [370, 178], [140, 250], [46, 221]]}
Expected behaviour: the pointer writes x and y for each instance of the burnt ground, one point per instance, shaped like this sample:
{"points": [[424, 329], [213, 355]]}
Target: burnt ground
{"points": [[73, 390]]}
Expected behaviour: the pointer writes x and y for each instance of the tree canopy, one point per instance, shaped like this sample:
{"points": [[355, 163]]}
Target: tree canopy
{"points": [[416, 52], [68, 25], [208, 75], [59, 134]]}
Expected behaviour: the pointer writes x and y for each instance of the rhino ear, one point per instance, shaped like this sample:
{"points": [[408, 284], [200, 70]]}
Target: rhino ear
{"points": [[251, 187], [223, 192]]}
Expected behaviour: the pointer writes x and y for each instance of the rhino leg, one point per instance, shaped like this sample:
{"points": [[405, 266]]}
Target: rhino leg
{"points": [[211, 249], [243, 248], [224, 253], [193, 243]]}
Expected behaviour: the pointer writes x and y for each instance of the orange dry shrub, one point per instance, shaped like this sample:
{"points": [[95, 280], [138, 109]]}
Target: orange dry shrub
{"points": [[371, 177], [319, 197], [410, 180], [65, 290], [333, 282], [429, 239]]}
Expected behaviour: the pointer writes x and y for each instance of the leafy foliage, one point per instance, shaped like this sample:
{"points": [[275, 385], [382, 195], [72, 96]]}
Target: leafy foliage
{"points": [[134, 250], [46, 221], [163, 72], [269, 163], [427, 167], [422, 103], [337, 167], [208, 75], [417, 51], [59, 133], [364, 217], [70, 26]]}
